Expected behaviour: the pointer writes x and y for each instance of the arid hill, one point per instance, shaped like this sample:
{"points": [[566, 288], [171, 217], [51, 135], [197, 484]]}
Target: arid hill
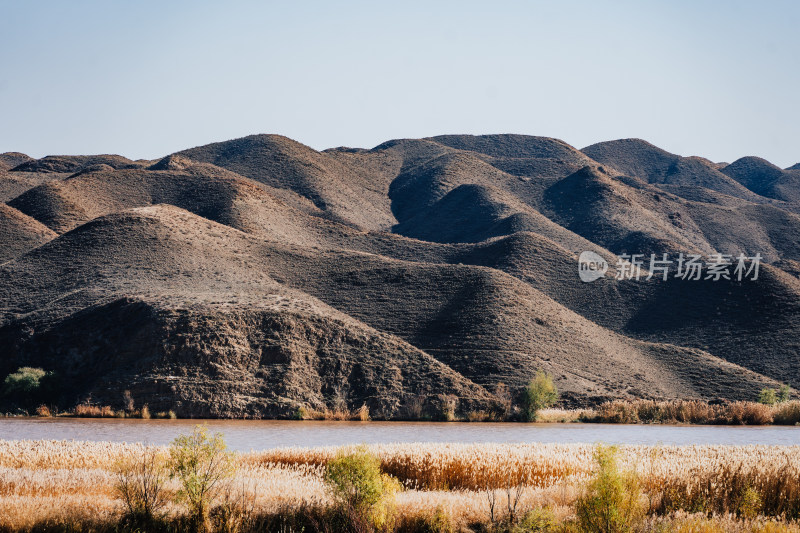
{"points": [[252, 277]]}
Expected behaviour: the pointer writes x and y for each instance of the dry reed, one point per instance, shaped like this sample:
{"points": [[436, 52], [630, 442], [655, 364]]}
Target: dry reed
{"points": [[692, 412], [58, 481]]}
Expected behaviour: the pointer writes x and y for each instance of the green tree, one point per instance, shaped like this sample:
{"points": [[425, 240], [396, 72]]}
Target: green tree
{"points": [[785, 393], [612, 500], [360, 488], [26, 380], [202, 463], [540, 393], [30, 387], [768, 396]]}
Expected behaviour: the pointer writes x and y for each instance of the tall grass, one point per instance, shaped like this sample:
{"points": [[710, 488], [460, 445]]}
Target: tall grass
{"points": [[94, 411], [445, 484], [340, 414], [140, 484], [693, 412], [787, 413]]}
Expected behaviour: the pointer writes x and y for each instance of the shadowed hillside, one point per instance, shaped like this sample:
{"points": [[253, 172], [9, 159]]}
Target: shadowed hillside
{"points": [[766, 179], [256, 276]]}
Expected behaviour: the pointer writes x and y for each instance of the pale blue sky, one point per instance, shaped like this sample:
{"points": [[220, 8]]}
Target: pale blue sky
{"points": [[143, 79]]}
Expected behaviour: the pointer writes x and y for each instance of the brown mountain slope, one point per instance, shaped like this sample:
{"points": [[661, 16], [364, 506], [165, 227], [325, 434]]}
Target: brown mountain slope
{"points": [[514, 147], [491, 327], [524, 156], [750, 229], [627, 216], [345, 193], [747, 317], [74, 163], [10, 160], [624, 219], [487, 326], [638, 158], [200, 319], [474, 213], [20, 233], [765, 179], [13, 184], [419, 267], [459, 197], [206, 190], [421, 186]]}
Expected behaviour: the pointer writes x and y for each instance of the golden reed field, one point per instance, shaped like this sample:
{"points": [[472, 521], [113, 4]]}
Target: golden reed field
{"points": [[57, 485]]}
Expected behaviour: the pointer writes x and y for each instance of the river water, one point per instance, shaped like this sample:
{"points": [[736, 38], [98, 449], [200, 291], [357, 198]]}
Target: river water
{"points": [[245, 435]]}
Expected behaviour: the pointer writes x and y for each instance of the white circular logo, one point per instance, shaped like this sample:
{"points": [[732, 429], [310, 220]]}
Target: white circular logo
{"points": [[591, 266]]}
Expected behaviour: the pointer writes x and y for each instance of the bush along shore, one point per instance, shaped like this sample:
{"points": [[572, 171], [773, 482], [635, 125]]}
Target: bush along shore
{"points": [[535, 402], [198, 485]]}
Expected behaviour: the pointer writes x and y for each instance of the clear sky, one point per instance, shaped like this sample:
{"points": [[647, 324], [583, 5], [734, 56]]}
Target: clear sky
{"points": [[143, 79]]}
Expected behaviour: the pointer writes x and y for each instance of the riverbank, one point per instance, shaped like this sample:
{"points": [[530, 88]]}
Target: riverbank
{"points": [[56, 486], [612, 412]]}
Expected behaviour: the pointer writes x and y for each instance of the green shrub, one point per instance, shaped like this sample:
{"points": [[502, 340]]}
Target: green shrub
{"points": [[30, 387], [25, 380], [612, 500], [360, 489], [784, 394], [768, 396], [540, 393], [202, 463], [437, 522], [750, 505], [535, 521]]}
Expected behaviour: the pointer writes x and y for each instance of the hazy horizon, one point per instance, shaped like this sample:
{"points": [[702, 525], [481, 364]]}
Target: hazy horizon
{"points": [[145, 80]]}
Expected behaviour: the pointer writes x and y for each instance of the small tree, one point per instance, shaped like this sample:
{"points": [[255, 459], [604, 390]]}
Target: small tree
{"points": [[785, 393], [750, 504], [768, 396], [540, 393], [358, 485], [612, 500], [140, 486], [26, 380], [30, 386], [202, 463]]}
